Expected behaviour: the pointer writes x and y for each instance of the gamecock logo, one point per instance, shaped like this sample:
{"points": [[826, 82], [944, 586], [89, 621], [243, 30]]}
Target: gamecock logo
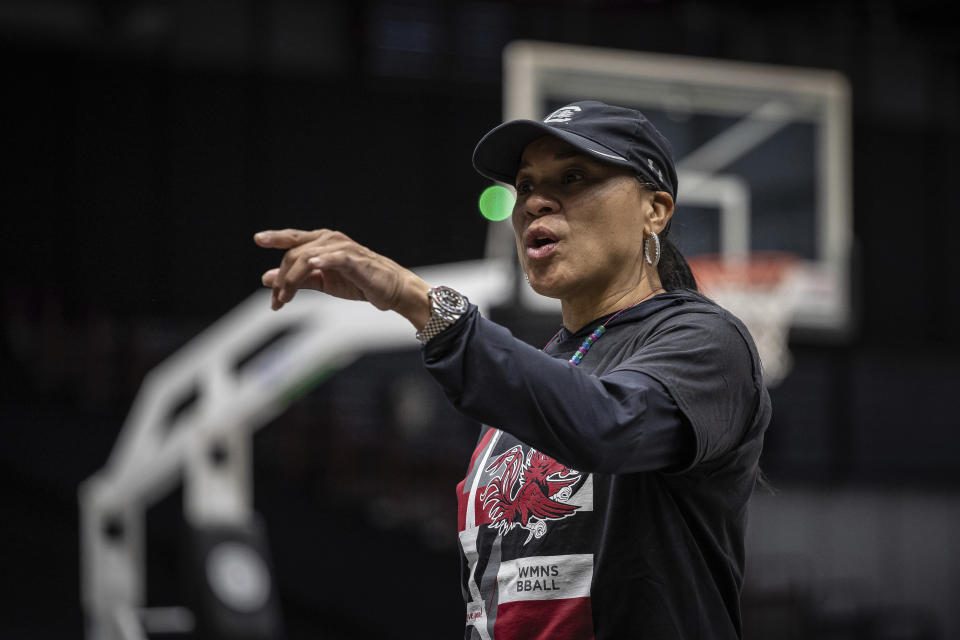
{"points": [[528, 492]]}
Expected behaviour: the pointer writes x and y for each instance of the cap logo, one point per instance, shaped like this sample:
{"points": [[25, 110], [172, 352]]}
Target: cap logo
{"points": [[563, 114], [654, 167]]}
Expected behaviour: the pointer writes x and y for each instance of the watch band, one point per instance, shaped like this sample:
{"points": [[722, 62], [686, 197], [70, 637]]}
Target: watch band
{"points": [[446, 307]]}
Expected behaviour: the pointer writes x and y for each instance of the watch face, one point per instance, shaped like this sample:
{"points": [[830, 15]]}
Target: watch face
{"points": [[450, 300]]}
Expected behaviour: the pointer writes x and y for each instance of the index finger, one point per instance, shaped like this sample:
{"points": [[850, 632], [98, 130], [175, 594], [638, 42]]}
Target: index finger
{"points": [[284, 238]]}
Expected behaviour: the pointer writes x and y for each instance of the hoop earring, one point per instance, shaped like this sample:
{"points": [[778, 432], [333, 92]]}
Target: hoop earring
{"points": [[655, 260]]}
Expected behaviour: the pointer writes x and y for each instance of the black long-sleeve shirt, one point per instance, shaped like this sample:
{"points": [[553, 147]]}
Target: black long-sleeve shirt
{"points": [[607, 500]]}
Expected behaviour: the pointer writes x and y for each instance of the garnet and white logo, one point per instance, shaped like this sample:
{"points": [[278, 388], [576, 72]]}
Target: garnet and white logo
{"points": [[528, 491], [563, 114]]}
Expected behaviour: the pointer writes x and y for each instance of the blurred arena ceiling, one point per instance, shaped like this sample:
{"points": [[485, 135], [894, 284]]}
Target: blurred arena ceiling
{"points": [[386, 36]]}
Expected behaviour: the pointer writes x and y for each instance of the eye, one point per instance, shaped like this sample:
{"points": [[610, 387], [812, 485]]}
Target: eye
{"points": [[523, 187], [572, 176]]}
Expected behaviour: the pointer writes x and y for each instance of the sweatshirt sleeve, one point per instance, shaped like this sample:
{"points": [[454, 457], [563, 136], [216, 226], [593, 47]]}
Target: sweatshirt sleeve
{"points": [[621, 422], [709, 367]]}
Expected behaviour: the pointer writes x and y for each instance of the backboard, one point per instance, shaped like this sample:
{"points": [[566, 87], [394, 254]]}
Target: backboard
{"points": [[762, 155]]}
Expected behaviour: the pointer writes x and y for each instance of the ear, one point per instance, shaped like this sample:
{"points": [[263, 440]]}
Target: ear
{"points": [[660, 212]]}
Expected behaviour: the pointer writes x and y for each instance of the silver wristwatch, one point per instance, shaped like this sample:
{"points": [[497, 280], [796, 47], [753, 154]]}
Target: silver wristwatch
{"points": [[446, 307]]}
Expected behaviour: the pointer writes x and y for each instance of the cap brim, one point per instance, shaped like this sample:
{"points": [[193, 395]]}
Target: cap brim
{"points": [[498, 153]]}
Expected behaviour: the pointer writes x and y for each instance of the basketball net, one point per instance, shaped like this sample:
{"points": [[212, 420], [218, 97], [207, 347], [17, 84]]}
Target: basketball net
{"points": [[762, 290]]}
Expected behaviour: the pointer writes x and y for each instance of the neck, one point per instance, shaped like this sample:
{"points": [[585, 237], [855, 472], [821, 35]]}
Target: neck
{"points": [[578, 312]]}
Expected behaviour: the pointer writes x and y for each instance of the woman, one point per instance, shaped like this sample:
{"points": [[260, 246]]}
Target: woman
{"points": [[608, 497]]}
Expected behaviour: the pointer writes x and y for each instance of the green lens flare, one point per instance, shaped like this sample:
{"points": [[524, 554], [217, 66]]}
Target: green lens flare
{"points": [[496, 203]]}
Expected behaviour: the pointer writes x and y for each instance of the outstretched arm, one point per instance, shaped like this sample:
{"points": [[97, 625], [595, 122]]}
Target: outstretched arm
{"points": [[331, 262], [621, 422]]}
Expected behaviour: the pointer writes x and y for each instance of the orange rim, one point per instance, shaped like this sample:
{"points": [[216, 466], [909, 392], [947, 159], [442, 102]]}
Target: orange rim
{"points": [[757, 270]]}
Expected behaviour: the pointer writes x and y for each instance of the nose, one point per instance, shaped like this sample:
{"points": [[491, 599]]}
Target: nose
{"points": [[539, 204]]}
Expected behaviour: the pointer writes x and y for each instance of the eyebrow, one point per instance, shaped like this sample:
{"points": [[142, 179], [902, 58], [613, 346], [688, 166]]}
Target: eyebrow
{"points": [[562, 155]]}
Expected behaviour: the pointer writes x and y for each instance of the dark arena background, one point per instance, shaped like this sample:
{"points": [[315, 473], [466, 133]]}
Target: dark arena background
{"points": [[146, 141]]}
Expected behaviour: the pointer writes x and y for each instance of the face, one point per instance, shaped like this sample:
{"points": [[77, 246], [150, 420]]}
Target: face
{"points": [[579, 223]]}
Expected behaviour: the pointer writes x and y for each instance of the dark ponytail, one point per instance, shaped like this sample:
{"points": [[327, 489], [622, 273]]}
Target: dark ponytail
{"points": [[674, 271]]}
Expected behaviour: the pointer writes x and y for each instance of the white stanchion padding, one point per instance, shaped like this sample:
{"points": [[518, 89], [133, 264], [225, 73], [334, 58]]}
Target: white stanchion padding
{"points": [[208, 445]]}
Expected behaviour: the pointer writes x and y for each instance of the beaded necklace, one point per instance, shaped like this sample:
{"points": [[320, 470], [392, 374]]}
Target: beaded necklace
{"points": [[597, 333]]}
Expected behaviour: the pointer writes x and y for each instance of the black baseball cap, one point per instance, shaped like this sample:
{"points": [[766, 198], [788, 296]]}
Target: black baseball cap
{"points": [[608, 133]]}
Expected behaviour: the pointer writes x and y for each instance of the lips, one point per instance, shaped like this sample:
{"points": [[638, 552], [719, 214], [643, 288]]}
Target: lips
{"points": [[539, 242]]}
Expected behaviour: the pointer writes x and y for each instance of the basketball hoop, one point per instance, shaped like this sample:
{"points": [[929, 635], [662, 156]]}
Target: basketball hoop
{"points": [[762, 289]]}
